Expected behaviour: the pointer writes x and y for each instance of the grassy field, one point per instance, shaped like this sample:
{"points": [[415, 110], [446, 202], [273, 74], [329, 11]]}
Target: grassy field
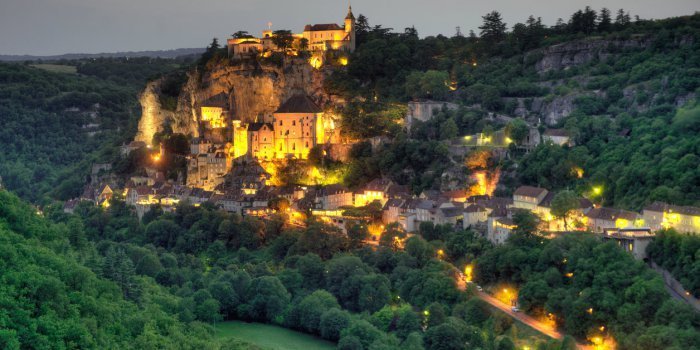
{"points": [[56, 68], [271, 337]]}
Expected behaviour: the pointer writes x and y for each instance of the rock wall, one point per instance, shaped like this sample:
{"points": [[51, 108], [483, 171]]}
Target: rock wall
{"points": [[254, 91], [562, 56], [153, 116]]}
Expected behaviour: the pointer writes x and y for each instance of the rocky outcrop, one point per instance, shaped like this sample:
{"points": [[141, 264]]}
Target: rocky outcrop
{"points": [[153, 116], [570, 54], [253, 90]]}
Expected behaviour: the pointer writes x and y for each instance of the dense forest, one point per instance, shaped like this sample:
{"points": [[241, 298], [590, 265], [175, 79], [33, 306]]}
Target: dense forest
{"points": [[56, 125], [634, 119], [678, 254], [167, 277]]}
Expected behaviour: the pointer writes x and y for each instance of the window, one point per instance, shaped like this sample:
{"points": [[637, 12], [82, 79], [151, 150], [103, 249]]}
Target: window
{"points": [[280, 122], [294, 123]]}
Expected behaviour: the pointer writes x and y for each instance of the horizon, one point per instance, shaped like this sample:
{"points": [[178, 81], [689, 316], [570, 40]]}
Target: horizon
{"points": [[100, 28]]}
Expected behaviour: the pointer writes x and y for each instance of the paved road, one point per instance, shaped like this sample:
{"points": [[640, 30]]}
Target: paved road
{"points": [[522, 317]]}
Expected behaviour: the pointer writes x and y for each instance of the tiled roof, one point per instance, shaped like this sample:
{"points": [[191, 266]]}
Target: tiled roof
{"points": [[556, 132], [611, 214], [258, 126], [474, 208], [321, 27], [529, 191], [665, 207], [299, 104]]}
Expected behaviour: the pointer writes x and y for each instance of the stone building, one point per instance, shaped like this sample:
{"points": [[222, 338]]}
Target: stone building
{"points": [[291, 132], [319, 38]]}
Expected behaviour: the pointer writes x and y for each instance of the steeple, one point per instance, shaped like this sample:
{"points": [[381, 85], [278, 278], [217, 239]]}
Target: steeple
{"points": [[350, 15]]}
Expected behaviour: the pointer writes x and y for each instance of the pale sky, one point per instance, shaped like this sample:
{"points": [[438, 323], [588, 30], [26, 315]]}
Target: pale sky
{"points": [[49, 27]]}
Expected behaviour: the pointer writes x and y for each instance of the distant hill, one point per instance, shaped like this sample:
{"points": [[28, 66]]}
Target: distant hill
{"points": [[73, 56]]}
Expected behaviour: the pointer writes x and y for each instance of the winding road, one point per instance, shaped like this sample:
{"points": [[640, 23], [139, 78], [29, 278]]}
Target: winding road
{"points": [[522, 317]]}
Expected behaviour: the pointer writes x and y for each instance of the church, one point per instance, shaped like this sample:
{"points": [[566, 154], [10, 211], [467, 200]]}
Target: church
{"points": [[290, 133], [318, 38]]}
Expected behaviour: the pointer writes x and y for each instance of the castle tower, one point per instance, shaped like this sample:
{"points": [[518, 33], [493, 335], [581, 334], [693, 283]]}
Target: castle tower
{"points": [[350, 28]]}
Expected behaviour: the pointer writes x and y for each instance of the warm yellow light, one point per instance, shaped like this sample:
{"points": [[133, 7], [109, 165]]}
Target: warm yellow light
{"points": [[578, 171], [597, 190], [468, 137], [509, 140], [569, 274], [590, 311], [468, 273], [315, 62], [601, 328], [474, 64], [156, 158], [343, 61]]}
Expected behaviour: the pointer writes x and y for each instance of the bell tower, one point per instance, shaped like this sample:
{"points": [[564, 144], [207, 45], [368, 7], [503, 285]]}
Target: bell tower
{"points": [[350, 29]]}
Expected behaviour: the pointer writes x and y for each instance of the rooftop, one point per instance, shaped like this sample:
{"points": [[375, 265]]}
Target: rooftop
{"points": [[299, 104], [529, 191]]}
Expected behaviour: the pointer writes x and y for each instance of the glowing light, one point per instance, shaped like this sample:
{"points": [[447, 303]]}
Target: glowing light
{"points": [[316, 62], [597, 190], [468, 273], [590, 311], [440, 253], [474, 64], [156, 158], [509, 140], [343, 61], [578, 171], [569, 274]]}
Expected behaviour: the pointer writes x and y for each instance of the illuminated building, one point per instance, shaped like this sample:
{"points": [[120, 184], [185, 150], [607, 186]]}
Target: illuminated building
{"points": [[632, 240], [319, 38], [600, 219], [214, 111], [557, 136], [293, 129], [684, 219]]}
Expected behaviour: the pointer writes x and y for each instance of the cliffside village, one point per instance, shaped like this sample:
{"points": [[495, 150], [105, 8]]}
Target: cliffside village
{"points": [[230, 174]]}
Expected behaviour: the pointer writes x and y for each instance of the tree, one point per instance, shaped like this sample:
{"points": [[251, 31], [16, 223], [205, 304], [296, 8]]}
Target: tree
{"points": [[303, 44], [357, 233], [443, 337], [333, 322], [622, 19], [526, 223], [283, 39], [517, 130], [362, 330], [266, 299], [241, 34], [604, 20], [493, 29], [563, 204], [448, 129], [311, 309]]}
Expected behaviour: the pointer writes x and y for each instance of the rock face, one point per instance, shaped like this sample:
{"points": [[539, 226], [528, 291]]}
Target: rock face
{"points": [[575, 53], [254, 91], [153, 116]]}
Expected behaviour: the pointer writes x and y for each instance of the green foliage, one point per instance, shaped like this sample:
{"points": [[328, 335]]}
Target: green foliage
{"points": [[679, 254], [48, 150]]}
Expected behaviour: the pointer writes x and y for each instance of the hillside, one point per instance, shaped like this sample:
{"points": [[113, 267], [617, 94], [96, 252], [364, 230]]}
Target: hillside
{"points": [[625, 94], [53, 298], [55, 125]]}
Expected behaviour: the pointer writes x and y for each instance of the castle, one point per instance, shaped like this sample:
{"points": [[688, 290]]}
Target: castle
{"points": [[317, 38]]}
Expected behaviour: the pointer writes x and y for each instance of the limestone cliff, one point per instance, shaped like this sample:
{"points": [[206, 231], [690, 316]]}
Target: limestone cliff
{"points": [[153, 116], [570, 54], [253, 90]]}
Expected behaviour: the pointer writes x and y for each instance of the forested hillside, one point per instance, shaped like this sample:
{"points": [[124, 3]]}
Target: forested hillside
{"points": [[623, 90], [56, 291], [54, 124]]}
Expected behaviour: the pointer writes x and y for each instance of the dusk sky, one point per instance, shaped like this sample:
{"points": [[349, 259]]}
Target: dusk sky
{"points": [[48, 27]]}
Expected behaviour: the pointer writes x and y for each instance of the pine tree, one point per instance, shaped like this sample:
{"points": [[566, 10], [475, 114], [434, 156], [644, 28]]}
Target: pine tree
{"points": [[493, 29], [604, 20]]}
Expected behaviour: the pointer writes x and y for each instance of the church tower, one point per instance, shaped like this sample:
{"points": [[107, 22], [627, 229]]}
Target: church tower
{"points": [[350, 29]]}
